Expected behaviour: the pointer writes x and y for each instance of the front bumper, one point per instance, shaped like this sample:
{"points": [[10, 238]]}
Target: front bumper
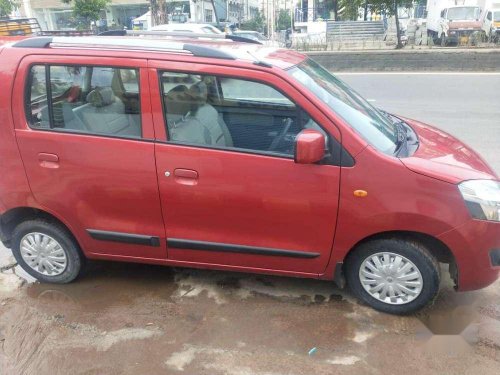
{"points": [[471, 245], [454, 35]]}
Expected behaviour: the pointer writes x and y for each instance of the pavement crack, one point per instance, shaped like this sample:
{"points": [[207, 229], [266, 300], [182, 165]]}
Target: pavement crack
{"points": [[8, 267]]}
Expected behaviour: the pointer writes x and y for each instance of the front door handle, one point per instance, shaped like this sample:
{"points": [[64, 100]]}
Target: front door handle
{"points": [[185, 176], [47, 160]]}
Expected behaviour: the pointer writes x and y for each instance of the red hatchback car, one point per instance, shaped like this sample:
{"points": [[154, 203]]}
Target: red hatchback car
{"points": [[232, 156]]}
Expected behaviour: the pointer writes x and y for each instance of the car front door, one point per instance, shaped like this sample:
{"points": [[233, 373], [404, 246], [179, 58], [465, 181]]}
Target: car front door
{"points": [[85, 135], [231, 192]]}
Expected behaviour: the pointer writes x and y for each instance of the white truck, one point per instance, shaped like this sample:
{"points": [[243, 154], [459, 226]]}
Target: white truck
{"points": [[455, 21], [491, 24]]}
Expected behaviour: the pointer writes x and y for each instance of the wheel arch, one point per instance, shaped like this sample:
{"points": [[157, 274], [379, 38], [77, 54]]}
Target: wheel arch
{"points": [[436, 247], [15, 216]]}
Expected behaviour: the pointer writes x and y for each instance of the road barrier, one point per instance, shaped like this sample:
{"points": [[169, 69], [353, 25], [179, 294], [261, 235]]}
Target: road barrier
{"points": [[435, 59]]}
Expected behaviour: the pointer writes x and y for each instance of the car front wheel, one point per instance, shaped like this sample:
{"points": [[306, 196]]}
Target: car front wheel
{"points": [[393, 275]]}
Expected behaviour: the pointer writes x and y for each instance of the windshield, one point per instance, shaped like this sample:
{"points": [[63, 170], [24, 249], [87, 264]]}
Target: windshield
{"points": [[463, 13], [365, 119]]}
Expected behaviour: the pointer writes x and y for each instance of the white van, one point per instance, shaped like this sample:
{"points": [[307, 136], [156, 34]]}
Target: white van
{"points": [[491, 25]]}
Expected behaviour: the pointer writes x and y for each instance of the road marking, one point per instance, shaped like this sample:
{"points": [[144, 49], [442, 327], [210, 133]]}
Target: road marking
{"points": [[419, 73]]}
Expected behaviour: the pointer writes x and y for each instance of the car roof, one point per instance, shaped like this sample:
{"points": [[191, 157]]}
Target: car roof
{"points": [[201, 47]]}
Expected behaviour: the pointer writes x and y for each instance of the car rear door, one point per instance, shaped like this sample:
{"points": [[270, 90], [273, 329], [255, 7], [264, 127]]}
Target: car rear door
{"points": [[239, 205], [86, 140]]}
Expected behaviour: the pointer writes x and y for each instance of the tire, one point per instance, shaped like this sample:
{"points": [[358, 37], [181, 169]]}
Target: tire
{"points": [[53, 270], [412, 253]]}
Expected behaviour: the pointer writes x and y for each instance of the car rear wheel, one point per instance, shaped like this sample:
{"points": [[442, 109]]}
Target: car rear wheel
{"points": [[46, 251], [392, 275]]}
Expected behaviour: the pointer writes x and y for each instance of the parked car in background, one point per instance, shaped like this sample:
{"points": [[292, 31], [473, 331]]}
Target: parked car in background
{"points": [[254, 35], [232, 156], [197, 28]]}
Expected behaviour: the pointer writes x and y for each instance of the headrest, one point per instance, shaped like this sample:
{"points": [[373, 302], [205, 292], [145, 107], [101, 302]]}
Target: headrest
{"points": [[177, 100], [101, 97], [198, 92]]}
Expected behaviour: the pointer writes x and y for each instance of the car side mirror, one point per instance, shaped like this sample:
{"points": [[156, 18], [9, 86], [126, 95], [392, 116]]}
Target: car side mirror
{"points": [[309, 146]]}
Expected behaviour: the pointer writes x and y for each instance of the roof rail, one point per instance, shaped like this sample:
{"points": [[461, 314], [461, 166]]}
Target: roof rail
{"points": [[125, 43], [182, 34]]}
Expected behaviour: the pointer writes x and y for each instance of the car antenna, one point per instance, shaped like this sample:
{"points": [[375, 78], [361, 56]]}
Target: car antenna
{"points": [[259, 62]]}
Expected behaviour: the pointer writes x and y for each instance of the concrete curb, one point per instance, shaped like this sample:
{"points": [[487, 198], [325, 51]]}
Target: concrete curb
{"points": [[438, 60]]}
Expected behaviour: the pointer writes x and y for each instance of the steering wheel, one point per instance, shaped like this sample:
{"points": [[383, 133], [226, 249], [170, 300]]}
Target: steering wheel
{"points": [[276, 141]]}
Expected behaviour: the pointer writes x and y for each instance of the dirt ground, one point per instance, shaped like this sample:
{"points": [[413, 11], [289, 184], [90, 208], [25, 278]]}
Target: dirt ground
{"points": [[138, 319]]}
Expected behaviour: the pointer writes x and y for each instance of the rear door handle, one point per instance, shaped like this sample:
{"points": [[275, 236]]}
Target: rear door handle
{"points": [[47, 160], [185, 176]]}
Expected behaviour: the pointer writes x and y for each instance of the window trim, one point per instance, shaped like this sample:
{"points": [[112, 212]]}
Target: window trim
{"points": [[48, 87], [100, 135], [298, 109], [230, 149]]}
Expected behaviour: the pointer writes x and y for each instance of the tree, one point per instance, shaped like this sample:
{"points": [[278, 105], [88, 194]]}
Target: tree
{"points": [[257, 23], [390, 7], [284, 20], [158, 12], [349, 9], [7, 7], [215, 12], [88, 10]]}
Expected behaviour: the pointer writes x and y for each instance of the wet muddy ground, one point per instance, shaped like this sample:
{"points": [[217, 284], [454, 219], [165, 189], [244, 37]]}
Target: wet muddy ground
{"points": [[138, 319]]}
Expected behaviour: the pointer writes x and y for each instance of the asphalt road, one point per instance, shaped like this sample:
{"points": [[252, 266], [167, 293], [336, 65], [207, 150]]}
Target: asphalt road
{"points": [[465, 105], [137, 319]]}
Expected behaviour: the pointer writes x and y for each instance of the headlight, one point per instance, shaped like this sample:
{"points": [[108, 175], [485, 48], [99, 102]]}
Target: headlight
{"points": [[482, 198]]}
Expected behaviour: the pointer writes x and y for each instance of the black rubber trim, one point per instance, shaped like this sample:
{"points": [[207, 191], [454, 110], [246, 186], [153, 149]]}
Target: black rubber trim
{"points": [[202, 51], [138, 239], [495, 257], [39, 42], [178, 243], [339, 277]]}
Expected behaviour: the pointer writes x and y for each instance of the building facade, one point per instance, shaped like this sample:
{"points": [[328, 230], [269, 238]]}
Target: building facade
{"points": [[55, 15]]}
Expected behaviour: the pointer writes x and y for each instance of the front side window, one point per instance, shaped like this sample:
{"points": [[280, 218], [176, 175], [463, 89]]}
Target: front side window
{"points": [[366, 120], [231, 113], [87, 99]]}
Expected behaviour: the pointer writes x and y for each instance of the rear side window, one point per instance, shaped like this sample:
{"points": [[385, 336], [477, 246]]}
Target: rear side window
{"points": [[37, 111], [86, 99]]}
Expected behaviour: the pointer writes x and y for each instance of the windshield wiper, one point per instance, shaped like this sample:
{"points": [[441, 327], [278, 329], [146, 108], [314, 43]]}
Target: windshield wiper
{"points": [[401, 137], [401, 132]]}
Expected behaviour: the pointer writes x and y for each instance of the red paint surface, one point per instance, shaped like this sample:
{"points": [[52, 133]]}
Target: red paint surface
{"points": [[238, 198]]}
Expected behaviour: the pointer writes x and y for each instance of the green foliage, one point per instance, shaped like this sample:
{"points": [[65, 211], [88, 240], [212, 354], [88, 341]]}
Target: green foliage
{"points": [[89, 10], [255, 24], [389, 6], [7, 7], [284, 20], [349, 9]]}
